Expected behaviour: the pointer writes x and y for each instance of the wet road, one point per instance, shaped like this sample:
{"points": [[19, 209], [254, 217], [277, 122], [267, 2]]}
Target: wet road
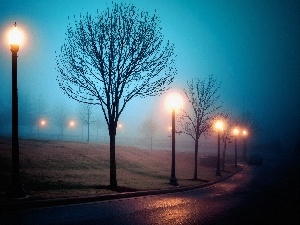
{"points": [[266, 194]]}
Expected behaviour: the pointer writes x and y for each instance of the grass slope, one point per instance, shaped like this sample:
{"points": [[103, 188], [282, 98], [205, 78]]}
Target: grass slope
{"points": [[52, 169]]}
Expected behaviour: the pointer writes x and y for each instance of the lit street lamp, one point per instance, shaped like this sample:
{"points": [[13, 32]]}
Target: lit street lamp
{"points": [[72, 126], [17, 190], [174, 101], [42, 123], [236, 133], [219, 126], [245, 134]]}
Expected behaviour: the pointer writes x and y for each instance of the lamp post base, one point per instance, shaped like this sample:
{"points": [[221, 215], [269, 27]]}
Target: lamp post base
{"points": [[173, 181]]}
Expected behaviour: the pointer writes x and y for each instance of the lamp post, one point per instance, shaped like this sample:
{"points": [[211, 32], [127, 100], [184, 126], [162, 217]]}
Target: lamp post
{"points": [[173, 179], [174, 102], [17, 190], [72, 125], [236, 133], [244, 133], [42, 123], [219, 127]]}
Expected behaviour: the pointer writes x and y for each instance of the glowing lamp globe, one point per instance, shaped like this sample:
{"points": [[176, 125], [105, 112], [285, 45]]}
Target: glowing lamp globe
{"points": [[43, 122], [72, 123], [219, 125], [174, 101], [236, 131], [15, 38]]}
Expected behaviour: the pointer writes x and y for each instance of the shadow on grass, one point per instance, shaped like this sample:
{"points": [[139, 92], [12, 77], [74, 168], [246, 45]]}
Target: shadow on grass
{"points": [[42, 185]]}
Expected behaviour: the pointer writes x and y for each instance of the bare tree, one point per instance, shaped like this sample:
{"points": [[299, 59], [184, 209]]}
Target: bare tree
{"points": [[148, 128], [59, 118], [226, 134], [99, 126], [113, 57], [202, 97], [84, 116]]}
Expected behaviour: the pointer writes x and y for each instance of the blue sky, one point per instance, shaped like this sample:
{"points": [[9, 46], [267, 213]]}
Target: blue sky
{"points": [[252, 48]]}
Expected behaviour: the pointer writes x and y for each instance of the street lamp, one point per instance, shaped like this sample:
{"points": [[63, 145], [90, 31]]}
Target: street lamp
{"points": [[17, 190], [72, 125], [42, 123], [244, 134], [219, 126], [236, 133], [173, 101]]}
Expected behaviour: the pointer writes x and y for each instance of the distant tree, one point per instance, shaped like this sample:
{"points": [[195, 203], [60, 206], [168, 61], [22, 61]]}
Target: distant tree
{"points": [[60, 119], [149, 128], [40, 112], [202, 97], [85, 117], [99, 126], [111, 58], [226, 134]]}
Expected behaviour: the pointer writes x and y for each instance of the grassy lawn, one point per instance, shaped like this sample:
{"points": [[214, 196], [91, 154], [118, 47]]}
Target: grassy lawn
{"points": [[53, 169]]}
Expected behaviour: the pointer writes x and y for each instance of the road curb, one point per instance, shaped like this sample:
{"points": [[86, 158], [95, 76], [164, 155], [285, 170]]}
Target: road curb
{"points": [[22, 204]]}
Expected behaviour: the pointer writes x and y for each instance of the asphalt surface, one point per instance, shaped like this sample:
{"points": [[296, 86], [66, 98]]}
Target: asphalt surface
{"points": [[266, 194], [275, 198]]}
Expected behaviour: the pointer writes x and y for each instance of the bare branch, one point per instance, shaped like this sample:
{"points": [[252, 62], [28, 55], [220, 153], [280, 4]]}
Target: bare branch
{"points": [[113, 57], [202, 97]]}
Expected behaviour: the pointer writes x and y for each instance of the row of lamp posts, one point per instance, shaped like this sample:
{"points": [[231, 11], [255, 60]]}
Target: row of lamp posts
{"points": [[236, 133], [17, 190], [175, 101]]}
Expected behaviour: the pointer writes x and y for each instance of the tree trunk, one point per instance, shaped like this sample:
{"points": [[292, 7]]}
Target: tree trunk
{"points": [[113, 168], [196, 160]]}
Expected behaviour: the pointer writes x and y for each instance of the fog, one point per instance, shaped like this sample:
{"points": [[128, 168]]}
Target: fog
{"points": [[252, 48]]}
